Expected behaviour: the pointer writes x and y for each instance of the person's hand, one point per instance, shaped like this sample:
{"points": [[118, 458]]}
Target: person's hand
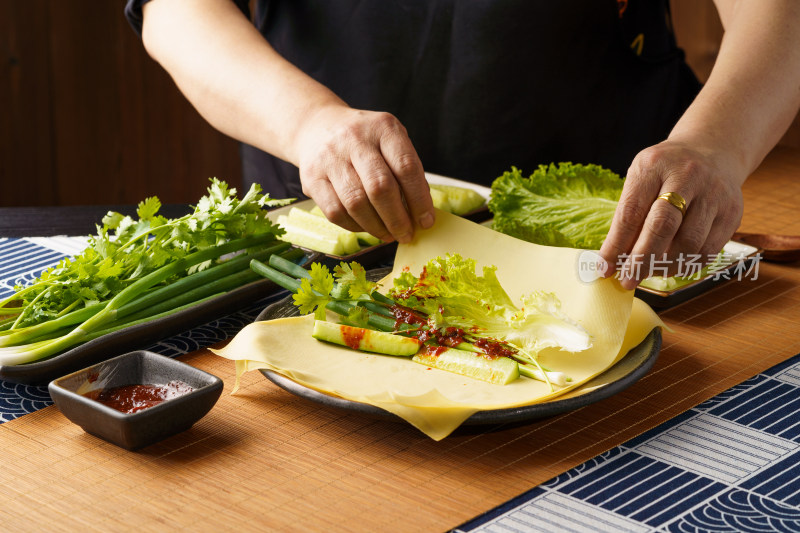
{"points": [[362, 170], [645, 227]]}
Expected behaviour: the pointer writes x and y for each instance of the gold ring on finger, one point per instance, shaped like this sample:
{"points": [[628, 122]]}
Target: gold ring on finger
{"points": [[676, 200]]}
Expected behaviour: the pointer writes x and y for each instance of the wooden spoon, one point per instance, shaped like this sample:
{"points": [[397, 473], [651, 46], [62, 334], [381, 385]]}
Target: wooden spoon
{"points": [[779, 248]]}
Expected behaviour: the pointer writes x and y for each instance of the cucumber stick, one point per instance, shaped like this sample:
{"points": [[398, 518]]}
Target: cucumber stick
{"points": [[439, 199], [368, 340], [310, 231], [363, 237], [309, 239], [367, 239], [303, 218], [456, 200], [499, 370]]}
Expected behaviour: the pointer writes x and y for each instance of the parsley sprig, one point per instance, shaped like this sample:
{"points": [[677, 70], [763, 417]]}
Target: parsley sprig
{"points": [[320, 289]]}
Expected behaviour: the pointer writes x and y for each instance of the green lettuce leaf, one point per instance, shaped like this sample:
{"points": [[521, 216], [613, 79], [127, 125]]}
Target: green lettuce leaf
{"points": [[450, 290], [568, 205]]}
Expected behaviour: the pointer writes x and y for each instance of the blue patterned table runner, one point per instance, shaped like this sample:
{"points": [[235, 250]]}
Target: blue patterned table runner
{"points": [[730, 464]]}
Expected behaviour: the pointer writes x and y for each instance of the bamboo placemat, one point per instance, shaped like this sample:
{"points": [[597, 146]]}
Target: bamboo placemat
{"points": [[266, 460]]}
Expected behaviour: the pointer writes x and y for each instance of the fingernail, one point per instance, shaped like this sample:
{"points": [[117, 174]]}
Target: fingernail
{"points": [[405, 238], [624, 275], [426, 220], [603, 267]]}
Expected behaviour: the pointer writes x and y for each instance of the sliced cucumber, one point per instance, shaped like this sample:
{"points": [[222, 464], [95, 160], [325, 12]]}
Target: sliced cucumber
{"points": [[363, 237], [309, 239], [440, 200], [457, 200], [499, 370], [367, 239], [368, 340], [322, 226]]}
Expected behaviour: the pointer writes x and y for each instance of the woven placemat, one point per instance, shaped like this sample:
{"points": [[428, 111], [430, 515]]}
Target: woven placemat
{"points": [[266, 460]]}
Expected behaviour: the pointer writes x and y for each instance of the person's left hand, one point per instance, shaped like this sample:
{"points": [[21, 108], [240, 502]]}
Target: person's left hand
{"points": [[647, 229]]}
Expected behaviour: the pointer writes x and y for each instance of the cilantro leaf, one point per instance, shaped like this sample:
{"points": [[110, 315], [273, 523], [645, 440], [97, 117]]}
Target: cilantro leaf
{"points": [[112, 220], [309, 301], [321, 279], [148, 208], [354, 276], [358, 317]]}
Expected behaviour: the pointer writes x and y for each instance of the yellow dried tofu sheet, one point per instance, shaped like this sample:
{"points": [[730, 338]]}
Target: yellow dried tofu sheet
{"points": [[436, 401]]}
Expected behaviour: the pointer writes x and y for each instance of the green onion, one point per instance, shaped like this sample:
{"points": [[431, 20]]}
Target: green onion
{"points": [[142, 300]]}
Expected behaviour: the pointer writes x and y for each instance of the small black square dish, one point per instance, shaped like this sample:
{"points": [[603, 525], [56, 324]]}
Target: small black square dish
{"points": [[737, 261], [136, 399]]}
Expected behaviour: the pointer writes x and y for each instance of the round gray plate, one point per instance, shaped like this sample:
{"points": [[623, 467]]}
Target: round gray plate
{"points": [[627, 371]]}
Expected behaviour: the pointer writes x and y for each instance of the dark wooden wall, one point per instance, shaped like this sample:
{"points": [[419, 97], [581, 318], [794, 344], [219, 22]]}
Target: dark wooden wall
{"points": [[698, 31], [86, 117]]}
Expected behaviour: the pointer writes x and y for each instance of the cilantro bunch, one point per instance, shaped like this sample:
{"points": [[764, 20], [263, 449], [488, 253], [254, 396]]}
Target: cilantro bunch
{"points": [[135, 270]]}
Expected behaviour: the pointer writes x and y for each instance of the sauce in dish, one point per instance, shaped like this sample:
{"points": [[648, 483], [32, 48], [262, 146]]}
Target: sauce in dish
{"points": [[133, 398]]}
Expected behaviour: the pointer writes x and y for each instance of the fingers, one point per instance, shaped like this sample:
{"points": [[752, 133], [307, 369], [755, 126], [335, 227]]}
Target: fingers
{"points": [[728, 218], [650, 236], [368, 176], [317, 184], [351, 206], [632, 210], [658, 231], [381, 186], [691, 237], [404, 163]]}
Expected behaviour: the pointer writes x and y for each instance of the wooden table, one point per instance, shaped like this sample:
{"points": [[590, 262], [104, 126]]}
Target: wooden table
{"points": [[266, 460]]}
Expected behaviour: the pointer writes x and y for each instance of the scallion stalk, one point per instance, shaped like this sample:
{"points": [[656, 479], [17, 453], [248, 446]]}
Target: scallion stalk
{"points": [[170, 298]]}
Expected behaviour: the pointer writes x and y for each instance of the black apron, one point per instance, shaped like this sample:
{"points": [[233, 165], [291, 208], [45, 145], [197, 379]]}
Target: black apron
{"points": [[482, 85]]}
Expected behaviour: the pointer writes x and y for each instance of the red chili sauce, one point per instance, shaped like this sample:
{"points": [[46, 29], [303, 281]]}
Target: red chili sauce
{"points": [[405, 315], [494, 349], [449, 337], [133, 398], [431, 350], [423, 281], [352, 336]]}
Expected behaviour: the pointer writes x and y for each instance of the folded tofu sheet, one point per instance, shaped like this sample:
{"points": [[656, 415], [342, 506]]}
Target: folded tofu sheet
{"points": [[436, 401]]}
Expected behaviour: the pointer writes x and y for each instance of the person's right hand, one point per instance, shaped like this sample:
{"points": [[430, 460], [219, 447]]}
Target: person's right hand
{"points": [[359, 166], [362, 170]]}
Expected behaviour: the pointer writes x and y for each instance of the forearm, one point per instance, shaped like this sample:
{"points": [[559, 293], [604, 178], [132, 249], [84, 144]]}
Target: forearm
{"points": [[753, 92], [231, 74], [359, 166]]}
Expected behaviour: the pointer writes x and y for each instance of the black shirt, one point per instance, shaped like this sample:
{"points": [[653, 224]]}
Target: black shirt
{"points": [[482, 85]]}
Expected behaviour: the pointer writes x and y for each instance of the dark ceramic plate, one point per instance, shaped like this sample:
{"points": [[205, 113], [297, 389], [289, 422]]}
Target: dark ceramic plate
{"points": [[636, 363], [137, 337]]}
